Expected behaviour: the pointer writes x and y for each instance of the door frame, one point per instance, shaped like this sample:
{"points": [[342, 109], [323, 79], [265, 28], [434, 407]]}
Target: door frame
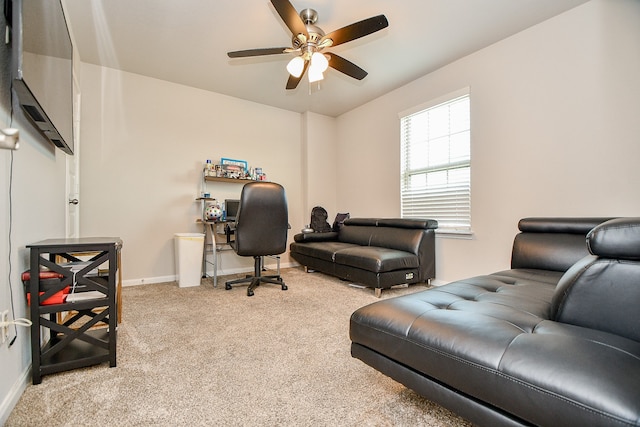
{"points": [[72, 181]]}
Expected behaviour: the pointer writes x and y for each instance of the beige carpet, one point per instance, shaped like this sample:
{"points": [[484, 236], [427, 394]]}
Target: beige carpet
{"points": [[204, 356]]}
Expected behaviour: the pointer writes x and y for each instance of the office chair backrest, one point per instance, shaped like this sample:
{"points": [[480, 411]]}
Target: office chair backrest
{"points": [[262, 221]]}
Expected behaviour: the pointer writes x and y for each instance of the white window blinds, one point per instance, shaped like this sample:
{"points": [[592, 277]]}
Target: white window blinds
{"points": [[436, 164]]}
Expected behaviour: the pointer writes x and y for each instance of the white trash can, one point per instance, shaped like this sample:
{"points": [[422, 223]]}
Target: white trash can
{"points": [[189, 250]]}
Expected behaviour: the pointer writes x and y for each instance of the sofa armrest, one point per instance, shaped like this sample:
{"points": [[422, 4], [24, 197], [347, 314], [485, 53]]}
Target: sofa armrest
{"points": [[316, 237]]}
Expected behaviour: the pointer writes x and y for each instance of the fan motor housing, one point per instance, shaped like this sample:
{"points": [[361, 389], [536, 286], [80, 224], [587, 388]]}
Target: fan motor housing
{"points": [[315, 34]]}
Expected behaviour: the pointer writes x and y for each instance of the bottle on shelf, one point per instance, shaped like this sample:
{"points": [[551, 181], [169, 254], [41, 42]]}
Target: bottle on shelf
{"points": [[204, 194]]}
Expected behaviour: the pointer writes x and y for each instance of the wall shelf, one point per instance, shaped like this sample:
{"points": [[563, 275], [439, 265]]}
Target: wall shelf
{"points": [[232, 180]]}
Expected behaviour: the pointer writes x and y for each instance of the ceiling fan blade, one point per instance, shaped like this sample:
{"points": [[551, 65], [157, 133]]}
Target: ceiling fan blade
{"points": [[346, 67], [292, 83], [357, 30], [290, 16], [257, 52]]}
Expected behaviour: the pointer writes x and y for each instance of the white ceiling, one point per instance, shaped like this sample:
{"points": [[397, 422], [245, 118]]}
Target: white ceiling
{"points": [[185, 41]]}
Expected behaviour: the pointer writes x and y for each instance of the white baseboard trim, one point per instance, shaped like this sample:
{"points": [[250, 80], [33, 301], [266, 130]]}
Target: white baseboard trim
{"points": [[222, 272], [436, 282], [148, 280], [11, 400]]}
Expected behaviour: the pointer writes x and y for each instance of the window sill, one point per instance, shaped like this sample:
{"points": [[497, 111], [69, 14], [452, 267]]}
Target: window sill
{"points": [[454, 234]]}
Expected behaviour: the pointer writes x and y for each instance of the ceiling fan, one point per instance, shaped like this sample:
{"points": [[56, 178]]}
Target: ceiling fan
{"points": [[309, 41]]}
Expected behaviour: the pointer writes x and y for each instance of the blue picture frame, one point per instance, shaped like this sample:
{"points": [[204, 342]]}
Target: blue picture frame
{"points": [[234, 162]]}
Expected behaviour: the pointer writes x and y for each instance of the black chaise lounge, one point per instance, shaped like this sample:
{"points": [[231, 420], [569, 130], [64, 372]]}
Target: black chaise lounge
{"points": [[554, 341]]}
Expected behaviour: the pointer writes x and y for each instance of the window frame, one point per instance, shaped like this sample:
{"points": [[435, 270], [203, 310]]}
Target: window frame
{"points": [[456, 232]]}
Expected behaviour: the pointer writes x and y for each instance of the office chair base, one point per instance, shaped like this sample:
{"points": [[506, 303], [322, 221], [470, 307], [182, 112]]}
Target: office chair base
{"points": [[257, 277], [254, 282]]}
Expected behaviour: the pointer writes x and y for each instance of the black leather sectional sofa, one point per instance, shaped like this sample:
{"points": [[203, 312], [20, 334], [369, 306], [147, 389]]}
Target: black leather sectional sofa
{"points": [[554, 341], [377, 253]]}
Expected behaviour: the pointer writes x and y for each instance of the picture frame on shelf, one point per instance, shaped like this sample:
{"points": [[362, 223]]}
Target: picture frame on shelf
{"points": [[233, 162], [232, 171]]}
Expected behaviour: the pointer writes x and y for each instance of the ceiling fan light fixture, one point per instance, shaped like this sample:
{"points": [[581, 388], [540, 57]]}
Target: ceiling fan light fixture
{"points": [[295, 66], [319, 62], [315, 75], [309, 40]]}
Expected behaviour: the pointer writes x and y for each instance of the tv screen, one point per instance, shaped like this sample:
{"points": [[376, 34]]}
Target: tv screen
{"points": [[43, 68]]}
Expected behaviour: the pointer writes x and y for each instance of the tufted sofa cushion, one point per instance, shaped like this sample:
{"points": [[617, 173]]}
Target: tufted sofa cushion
{"points": [[490, 338]]}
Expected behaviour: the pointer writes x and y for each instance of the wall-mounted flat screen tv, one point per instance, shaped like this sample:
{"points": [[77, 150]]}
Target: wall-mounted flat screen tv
{"points": [[43, 68]]}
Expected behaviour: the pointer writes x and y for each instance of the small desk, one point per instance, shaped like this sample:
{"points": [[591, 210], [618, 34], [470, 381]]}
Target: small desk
{"points": [[218, 244], [74, 342]]}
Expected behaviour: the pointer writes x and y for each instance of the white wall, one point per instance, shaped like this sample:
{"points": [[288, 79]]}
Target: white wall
{"points": [[554, 132], [144, 143], [32, 208], [319, 167]]}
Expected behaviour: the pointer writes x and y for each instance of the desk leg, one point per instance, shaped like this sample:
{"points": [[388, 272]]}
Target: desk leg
{"points": [[215, 259], [204, 252], [211, 228]]}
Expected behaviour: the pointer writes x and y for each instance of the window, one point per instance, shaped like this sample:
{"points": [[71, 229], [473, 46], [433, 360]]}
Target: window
{"points": [[436, 163]]}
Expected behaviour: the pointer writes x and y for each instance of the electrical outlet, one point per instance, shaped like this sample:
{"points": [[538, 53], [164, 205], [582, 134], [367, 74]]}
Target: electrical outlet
{"points": [[4, 326]]}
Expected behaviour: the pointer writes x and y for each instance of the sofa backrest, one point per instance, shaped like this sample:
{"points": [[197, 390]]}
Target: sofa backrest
{"points": [[602, 291], [551, 243], [357, 231], [395, 233]]}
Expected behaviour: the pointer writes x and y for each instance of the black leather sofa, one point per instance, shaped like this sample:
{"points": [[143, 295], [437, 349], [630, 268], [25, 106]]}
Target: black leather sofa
{"points": [[554, 341], [377, 253]]}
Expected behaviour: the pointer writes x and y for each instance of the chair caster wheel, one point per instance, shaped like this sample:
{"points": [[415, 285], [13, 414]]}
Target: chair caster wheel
{"points": [[284, 287], [227, 287], [249, 293]]}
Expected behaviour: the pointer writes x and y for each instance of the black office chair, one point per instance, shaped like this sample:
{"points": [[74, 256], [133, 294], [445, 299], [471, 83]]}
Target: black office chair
{"points": [[260, 230]]}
